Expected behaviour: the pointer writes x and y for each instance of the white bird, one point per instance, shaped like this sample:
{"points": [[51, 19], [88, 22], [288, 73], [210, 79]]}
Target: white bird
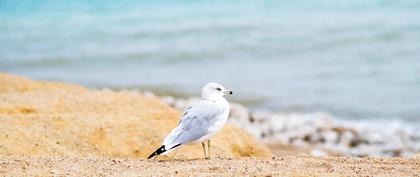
{"points": [[200, 121]]}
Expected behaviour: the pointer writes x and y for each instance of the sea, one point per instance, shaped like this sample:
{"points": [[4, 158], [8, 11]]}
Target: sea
{"points": [[354, 59]]}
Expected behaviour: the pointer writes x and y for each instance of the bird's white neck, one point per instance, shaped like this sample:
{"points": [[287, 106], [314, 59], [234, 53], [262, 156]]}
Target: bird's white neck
{"points": [[219, 100], [213, 98]]}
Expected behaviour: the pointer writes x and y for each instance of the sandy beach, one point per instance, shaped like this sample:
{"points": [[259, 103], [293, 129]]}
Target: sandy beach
{"points": [[60, 129], [276, 166], [317, 88]]}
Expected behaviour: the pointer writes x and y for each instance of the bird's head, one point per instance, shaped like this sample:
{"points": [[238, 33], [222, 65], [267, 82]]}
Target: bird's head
{"points": [[213, 90]]}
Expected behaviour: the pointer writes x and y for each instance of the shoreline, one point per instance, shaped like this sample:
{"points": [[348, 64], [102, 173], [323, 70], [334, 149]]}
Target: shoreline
{"points": [[317, 133]]}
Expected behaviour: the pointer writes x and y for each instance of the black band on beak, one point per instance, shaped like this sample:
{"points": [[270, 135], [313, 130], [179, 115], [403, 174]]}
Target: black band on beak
{"points": [[226, 92]]}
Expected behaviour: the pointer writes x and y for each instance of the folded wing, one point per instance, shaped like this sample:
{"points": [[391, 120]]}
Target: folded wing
{"points": [[193, 125]]}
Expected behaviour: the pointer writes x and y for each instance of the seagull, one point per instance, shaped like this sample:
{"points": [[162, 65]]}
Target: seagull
{"points": [[199, 122]]}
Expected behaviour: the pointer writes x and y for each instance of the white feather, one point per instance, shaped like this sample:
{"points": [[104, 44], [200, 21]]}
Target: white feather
{"points": [[200, 121]]}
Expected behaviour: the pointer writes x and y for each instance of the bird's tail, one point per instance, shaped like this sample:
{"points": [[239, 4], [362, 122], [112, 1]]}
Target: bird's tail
{"points": [[157, 152], [161, 150]]}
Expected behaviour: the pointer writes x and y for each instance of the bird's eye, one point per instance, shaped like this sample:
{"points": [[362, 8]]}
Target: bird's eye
{"points": [[218, 89]]}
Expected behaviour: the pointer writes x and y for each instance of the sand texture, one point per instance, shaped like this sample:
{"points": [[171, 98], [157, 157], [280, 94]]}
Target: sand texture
{"points": [[279, 166], [59, 129], [58, 119]]}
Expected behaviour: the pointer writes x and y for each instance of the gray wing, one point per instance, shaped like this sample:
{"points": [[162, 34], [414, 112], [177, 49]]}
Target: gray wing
{"points": [[194, 124]]}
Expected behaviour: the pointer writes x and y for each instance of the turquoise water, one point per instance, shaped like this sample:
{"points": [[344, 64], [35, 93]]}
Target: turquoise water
{"points": [[357, 59]]}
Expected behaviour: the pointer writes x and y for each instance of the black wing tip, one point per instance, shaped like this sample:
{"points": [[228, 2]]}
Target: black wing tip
{"points": [[157, 152], [176, 146], [161, 150]]}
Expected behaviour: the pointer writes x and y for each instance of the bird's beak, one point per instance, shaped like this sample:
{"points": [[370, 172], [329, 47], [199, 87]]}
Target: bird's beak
{"points": [[228, 92]]}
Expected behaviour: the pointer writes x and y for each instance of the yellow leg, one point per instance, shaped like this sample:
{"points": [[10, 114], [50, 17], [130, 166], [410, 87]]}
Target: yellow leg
{"points": [[208, 144], [204, 149]]}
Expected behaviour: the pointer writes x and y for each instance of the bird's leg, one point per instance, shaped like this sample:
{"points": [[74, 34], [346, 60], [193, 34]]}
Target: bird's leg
{"points": [[204, 149], [208, 144]]}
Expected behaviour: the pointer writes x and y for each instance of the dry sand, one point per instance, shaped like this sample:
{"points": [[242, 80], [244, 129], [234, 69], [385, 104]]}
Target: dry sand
{"points": [[58, 129], [278, 166], [39, 118]]}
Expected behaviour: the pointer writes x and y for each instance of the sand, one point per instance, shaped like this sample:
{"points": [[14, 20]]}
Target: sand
{"points": [[276, 166], [40, 118], [60, 129]]}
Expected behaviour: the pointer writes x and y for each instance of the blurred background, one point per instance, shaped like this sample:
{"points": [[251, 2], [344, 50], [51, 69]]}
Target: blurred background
{"points": [[355, 59]]}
